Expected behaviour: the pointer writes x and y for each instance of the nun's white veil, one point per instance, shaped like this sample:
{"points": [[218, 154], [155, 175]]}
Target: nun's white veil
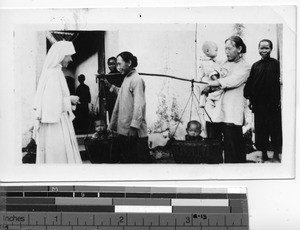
{"points": [[54, 57]]}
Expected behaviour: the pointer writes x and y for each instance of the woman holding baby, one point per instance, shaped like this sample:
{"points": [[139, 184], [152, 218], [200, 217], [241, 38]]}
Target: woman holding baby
{"points": [[228, 119]]}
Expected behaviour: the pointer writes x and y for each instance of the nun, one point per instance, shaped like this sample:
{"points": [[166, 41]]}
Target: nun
{"points": [[53, 130]]}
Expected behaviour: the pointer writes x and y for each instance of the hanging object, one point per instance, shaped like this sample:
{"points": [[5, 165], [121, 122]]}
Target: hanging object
{"points": [[55, 36]]}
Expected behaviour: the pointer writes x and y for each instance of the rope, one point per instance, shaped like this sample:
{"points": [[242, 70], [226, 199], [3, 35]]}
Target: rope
{"points": [[182, 115], [204, 109], [191, 111], [192, 93], [208, 115], [197, 111]]}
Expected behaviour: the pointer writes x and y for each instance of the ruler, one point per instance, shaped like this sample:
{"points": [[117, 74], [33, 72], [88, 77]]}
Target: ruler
{"points": [[122, 208]]}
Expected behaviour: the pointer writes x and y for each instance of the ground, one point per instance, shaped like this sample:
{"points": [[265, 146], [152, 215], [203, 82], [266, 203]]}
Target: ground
{"points": [[163, 157]]}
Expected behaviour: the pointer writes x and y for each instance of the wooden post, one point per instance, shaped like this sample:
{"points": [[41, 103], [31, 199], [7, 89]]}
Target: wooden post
{"points": [[101, 71]]}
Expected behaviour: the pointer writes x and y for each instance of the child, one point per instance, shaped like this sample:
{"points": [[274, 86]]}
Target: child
{"points": [[210, 69], [193, 131], [101, 130]]}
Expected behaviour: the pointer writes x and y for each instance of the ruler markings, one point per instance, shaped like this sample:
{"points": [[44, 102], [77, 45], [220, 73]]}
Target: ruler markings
{"points": [[207, 219], [235, 219]]}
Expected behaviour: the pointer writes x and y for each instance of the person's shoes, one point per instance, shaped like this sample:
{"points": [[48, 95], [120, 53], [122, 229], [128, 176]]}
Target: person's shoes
{"points": [[276, 158], [265, 157]]}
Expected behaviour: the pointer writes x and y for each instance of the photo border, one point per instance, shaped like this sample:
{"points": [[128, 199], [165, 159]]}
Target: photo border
{"points": [[11, 171]]}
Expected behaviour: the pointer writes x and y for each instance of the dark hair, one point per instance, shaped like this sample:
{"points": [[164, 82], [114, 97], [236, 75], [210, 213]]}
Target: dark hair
{"points": [[127, 56], [81, 78], [194, 122], [111, 58], [237, 43], [266, 40]]}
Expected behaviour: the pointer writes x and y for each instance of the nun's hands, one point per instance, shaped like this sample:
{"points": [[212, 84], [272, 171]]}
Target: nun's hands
{"points": [[74, 100]]}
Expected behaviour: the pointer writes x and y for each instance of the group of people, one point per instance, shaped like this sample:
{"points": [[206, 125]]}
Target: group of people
{"points": [[54, 132], [260, 84]]}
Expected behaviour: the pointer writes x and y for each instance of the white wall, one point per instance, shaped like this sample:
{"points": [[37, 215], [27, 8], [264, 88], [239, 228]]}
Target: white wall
{"points": [[30, 52], [111, 46]]}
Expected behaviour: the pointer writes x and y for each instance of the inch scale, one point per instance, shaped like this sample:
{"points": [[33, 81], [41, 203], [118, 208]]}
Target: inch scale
{"points": [[122, 208]]}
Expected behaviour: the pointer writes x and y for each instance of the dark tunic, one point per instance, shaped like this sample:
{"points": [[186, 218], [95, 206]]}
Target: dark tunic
{"points": [[263, 85], [82, 109], [263, 91], [117, 80]]}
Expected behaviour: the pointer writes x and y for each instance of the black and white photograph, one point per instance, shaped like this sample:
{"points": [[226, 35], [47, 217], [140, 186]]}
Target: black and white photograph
{"points": [[204, 94], [189, 107]]}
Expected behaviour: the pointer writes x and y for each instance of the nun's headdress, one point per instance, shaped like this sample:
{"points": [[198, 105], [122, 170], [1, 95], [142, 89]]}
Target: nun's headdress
{"points": [[55, 55]]}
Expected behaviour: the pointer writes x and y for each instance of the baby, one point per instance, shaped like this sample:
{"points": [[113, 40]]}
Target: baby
{"points": [[193, 131], [211, 69], [101, 131]]}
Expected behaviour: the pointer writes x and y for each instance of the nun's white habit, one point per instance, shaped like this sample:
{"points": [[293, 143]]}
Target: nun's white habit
{"points": [[53, 131]]}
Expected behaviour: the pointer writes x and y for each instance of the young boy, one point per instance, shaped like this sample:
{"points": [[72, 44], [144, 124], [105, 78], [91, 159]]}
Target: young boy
{"points": [[193, 131], [101, 131]]}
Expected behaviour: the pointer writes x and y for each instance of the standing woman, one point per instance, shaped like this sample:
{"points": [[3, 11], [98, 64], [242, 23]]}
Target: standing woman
{"points": [[128, 117], [263, 91], [53, 131], [228, 119]]}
